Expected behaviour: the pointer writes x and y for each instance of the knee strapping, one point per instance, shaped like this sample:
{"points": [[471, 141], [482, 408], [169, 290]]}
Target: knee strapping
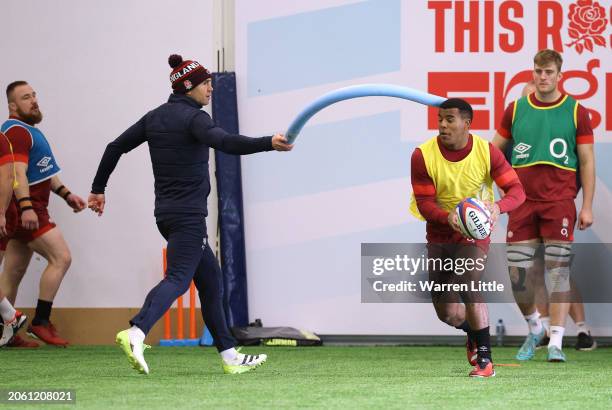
{"points": [[557, 279], [557, 258], [557, 254], [520, 256]]}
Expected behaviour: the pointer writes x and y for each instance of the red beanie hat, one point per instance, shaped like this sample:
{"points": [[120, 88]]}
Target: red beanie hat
{"points": [[186, 75]]}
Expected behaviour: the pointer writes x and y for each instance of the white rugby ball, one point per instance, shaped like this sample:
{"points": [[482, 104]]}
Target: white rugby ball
{"points": [[474, 218]]}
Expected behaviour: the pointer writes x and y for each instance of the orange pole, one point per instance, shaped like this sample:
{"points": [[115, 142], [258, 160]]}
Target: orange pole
{"points": [[180, 333], [167, 323], [192, 320]]}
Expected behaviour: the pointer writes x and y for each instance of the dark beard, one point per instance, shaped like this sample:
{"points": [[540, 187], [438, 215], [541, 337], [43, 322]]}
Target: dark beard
{"points": [[33, 118]]}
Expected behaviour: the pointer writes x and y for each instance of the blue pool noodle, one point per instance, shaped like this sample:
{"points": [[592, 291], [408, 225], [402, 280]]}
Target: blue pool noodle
{"points": [[357, 91]]}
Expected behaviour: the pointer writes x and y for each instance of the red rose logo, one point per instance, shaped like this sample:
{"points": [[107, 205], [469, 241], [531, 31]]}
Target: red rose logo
{"points": [[587, 22]]}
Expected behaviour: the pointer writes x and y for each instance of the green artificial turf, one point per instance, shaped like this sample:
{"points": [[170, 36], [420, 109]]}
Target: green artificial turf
{"points": [[321, 377]]}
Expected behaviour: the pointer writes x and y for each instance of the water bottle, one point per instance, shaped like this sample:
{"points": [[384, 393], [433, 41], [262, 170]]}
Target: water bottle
{"points": [[500, 332]]}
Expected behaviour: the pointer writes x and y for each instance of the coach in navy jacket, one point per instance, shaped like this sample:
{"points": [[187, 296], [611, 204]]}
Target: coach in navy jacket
{"points": [[179, 135]]}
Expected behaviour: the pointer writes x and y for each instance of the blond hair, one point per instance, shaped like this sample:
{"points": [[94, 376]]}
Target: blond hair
{"points": [[547, 56]]}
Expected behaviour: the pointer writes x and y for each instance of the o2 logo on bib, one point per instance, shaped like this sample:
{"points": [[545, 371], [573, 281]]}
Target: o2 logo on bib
{"points": [[559, 153]]}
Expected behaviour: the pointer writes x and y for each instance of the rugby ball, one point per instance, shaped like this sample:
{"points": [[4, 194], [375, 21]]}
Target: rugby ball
{"points": [[473, 218]]}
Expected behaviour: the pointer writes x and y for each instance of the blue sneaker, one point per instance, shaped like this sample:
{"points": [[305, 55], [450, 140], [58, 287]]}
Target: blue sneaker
{"points": [[555, 354], [528, 349]]}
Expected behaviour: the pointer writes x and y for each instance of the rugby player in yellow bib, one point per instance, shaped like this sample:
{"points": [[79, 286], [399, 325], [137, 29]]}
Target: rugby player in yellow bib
{"points": [[446, 169]]}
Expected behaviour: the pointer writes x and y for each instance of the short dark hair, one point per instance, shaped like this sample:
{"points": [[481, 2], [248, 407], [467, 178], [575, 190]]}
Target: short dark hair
{"points": [[12, 86], [465, 109]]}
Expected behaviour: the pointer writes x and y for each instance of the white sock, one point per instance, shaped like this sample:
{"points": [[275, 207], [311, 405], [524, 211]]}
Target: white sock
{"points": [[583, 328], [229, 355], [7, 311], [136, 334], [556, 336], [534, 322], [546, 324]]}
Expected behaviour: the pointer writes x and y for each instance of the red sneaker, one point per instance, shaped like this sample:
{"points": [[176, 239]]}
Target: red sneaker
{"points": [[471, 349], [18, 342], [484, 368], [47, 333]]}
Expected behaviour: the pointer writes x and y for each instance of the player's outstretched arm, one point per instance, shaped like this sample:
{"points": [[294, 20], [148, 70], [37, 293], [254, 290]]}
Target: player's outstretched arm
{"points": [[206, 132]]}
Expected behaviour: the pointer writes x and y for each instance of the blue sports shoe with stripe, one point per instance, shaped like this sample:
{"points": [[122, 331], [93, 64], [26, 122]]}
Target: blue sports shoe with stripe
{"points": [[555, 354], [528, 349]]}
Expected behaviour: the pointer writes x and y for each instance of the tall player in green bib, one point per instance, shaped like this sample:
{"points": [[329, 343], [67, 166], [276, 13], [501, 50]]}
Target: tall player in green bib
{"points": [[552, 136]]}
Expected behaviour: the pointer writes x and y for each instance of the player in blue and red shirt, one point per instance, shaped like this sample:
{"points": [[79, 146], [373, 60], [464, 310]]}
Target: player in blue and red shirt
{"points": [[36, 173]]}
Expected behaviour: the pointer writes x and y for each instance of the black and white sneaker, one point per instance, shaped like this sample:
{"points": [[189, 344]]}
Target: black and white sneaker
{"points": [[243, 363], [585, 342]]}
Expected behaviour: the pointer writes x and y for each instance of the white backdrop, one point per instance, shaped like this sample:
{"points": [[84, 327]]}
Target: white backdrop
{"points": [[97, 68], [348, 179]]}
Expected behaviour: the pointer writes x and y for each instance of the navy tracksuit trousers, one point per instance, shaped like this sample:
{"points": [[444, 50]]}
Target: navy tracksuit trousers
{"points": [[188, 257]]}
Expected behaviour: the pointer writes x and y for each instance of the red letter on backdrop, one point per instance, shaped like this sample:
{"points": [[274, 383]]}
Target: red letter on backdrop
{"points": [[501, 91], [462, 25], [554, 29], [440, 8], [513, 26], [443, 83], [489, 22]]}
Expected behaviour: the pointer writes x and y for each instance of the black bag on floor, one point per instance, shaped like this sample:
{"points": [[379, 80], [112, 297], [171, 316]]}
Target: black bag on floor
{"points": [[274, 336]]}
